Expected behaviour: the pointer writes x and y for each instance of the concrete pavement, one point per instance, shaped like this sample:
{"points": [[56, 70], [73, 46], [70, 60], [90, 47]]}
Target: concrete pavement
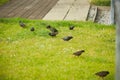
{"points": [[69, 10]]}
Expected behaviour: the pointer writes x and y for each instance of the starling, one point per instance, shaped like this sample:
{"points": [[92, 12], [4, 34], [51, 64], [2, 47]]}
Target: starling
{"points": [[102, 74], [78, 53], [52, 29], [22, 24], [71, 27], [52, 34], [67, 38], [32, 29]]}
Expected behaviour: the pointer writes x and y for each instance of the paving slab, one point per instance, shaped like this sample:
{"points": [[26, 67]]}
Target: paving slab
{"points": [[69, 10], [77, 14], [58, 12], [78, 11]]}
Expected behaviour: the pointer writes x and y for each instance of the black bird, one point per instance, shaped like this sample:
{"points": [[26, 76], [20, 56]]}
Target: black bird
{"points": [[52, 34], [67, 38], [102, 74], [52, 29], [78, 53], [71, 27], [32, 29], [22, 24]]}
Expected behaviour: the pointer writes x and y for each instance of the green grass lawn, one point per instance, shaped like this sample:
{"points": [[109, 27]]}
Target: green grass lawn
{"points": [[26, 55], [3, 2], [100, 2]]}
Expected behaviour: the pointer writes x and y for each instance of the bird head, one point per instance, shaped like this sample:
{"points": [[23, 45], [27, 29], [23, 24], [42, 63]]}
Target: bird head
{"points": [[82, 50], [48, 27], [107, 72], [32, 29], [70, 37], [71, 27]]}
